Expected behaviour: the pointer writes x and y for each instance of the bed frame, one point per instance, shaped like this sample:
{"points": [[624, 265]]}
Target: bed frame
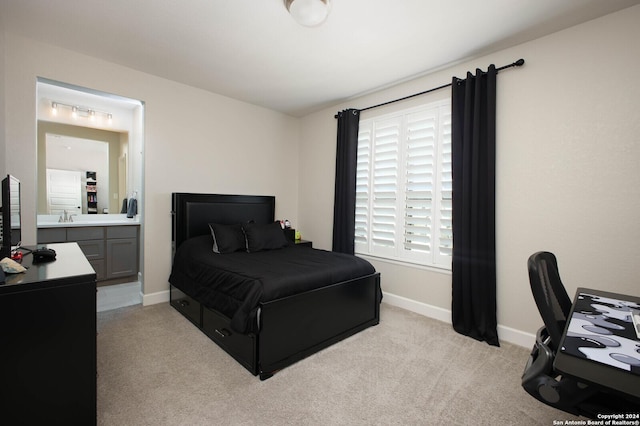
{"points": [[291, 328]]}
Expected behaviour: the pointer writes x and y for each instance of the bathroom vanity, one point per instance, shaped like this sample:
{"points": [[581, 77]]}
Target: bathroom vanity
{"points": [[110, 243]]}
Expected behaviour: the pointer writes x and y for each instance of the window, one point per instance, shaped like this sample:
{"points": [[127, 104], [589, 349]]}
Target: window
{"points": [[403, 186]]}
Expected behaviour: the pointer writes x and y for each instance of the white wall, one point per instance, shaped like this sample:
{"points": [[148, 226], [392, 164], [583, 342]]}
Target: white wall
{"points": [[568, 179], [195, 141]]}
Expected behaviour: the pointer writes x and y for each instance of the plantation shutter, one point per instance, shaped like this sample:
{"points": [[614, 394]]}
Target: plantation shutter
{"points": [[385, 186], [404, 186], [363, 188], [445, 228], [420, 152]]}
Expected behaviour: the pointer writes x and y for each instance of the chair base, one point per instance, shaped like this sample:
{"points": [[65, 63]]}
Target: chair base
{"points": [[545, 384]]}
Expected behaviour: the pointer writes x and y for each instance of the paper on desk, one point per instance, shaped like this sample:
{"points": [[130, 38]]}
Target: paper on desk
{"points": [[10, 266]]}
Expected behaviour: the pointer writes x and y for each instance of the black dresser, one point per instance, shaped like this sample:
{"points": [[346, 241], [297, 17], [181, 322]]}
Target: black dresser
{"points": [[48, 341]]}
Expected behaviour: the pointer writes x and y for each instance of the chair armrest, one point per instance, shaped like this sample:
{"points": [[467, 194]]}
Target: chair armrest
{"points": [[540, 362]]}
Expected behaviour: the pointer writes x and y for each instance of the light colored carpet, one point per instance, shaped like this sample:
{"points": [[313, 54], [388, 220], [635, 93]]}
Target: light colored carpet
{"points": [[156, 368]]}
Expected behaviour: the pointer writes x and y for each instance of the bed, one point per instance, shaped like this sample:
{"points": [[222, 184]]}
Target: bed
{"points": [[268, 304]]}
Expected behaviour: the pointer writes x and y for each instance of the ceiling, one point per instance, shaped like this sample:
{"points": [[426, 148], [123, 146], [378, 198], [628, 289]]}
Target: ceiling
{"points": [[253, 51]]}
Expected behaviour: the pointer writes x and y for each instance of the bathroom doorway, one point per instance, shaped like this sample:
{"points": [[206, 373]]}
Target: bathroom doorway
{"points": [[78, 113]]}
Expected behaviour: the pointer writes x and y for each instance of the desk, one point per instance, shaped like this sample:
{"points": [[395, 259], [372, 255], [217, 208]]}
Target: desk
{"points": [[603, 334]]}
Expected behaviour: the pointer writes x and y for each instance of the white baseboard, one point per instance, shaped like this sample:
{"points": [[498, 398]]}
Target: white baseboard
{"points": [[421, 308], [517, 337], [507, 334], [155, 298]]}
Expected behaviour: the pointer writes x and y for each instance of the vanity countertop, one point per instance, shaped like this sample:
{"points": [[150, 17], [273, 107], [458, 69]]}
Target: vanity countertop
{"points": [[52, 221]]}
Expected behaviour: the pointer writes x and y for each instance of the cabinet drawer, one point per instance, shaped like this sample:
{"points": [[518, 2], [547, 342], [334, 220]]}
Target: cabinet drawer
{"points": [[52, 235], [98, 266], [186, 306], [240, 346], [122, 232], [88, 233], [93, 249]]}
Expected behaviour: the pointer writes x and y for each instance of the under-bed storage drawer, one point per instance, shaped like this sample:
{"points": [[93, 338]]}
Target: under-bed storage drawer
{"points": [[241, 346], [187, 306]]}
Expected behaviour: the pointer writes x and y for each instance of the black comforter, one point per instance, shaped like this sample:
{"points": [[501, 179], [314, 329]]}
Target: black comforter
{"points": [[236, 283]]}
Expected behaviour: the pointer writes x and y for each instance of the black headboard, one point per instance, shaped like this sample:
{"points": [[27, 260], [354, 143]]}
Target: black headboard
{"points": [[192, 213]]}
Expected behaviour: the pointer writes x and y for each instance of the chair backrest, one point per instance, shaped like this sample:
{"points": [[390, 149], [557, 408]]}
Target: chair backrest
{"points": [[549, 293]]}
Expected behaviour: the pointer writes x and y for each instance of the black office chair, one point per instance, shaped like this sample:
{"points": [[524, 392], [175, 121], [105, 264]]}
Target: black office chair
{"points": [[539, 378], [550, 295]]}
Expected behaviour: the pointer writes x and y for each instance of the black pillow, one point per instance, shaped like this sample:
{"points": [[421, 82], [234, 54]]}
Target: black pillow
{"points": [[227, 238], [264, 237]]}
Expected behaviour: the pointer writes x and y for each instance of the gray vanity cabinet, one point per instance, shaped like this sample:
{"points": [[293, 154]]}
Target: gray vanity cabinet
{"points": [[91, 242], [112, 251], [122, 251]]}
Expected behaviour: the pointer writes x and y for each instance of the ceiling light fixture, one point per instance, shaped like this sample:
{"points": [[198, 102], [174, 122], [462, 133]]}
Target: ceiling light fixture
{"points": [[309, 13], [80, 111]]}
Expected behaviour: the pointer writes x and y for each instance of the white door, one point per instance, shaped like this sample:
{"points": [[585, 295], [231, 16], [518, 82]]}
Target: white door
{"points": [[64, 191]]}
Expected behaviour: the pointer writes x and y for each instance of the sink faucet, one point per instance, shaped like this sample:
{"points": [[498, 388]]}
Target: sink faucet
{"points": [[71, 217], [63, 219]]}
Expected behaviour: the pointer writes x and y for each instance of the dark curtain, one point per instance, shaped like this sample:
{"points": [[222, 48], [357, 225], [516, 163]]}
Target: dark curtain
{"points": [[473, 107], [344, 207]]}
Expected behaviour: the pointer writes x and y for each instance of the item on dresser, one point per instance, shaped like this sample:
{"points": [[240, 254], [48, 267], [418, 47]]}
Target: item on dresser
{"points": [[10, 266], [43, 255], [10, 234]]}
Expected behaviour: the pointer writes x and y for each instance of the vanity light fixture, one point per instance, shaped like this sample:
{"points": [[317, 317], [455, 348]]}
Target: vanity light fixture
{"points": [[309, 13], [80, 111]]}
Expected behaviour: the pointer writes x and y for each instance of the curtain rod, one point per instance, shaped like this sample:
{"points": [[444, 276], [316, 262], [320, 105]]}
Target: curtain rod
{"points": [[517, 63]]}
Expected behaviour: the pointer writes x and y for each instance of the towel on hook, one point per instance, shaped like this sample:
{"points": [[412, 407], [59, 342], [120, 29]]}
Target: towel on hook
{"points": [[133, 208]]}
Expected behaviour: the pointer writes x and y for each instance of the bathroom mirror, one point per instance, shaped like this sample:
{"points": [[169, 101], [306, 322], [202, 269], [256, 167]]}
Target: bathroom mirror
{"points": [[81, 130], [84, 170]]}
